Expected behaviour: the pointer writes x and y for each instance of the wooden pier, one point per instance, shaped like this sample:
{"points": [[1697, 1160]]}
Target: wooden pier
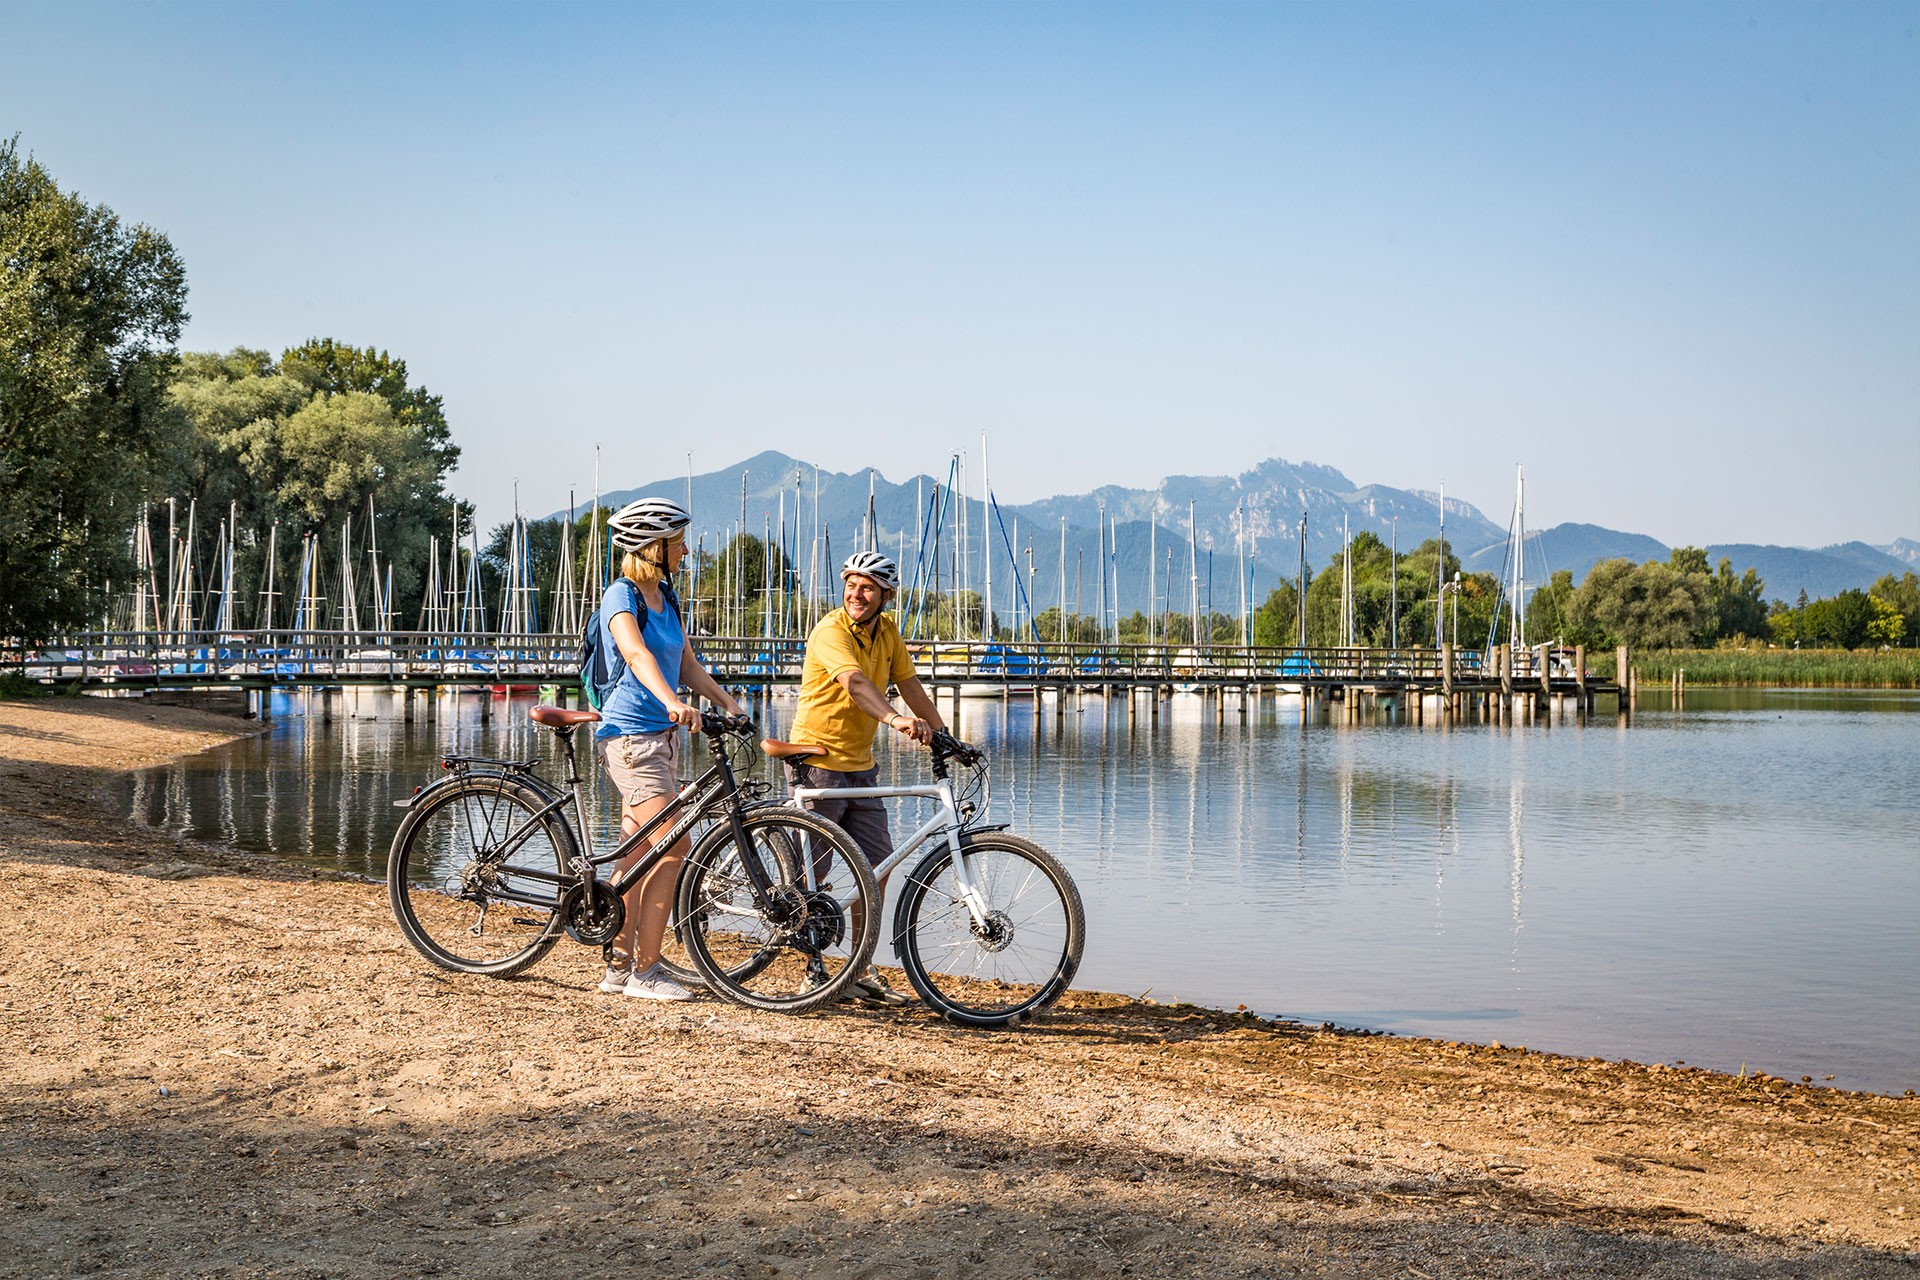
{"points": [[1420, 682]]}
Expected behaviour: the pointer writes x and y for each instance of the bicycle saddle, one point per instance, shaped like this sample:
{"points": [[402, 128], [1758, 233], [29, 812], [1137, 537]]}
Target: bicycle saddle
{"points": [[560, 717], [790, 750]]}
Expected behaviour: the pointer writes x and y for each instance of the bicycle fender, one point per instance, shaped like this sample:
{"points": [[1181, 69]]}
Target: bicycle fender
{"points": [[532, 780]]}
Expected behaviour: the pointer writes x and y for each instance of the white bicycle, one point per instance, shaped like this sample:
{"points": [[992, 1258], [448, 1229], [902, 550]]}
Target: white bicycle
{"points": [[989, 925]]}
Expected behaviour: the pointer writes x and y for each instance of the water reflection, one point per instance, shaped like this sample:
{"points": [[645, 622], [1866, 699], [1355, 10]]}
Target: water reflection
{"points": [[1731, 883]]}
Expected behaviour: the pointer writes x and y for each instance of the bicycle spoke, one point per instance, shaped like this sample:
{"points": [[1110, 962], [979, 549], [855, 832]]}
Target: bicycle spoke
{"points": [[1017, 958], [458, 876], [789, 947]]}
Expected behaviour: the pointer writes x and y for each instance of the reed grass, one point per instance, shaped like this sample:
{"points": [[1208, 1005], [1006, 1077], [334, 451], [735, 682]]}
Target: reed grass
{"points": [[1784, 668]]}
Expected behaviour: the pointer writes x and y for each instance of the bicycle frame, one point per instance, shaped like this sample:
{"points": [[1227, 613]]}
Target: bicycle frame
{"points": [[945, 820], [698, 798]]}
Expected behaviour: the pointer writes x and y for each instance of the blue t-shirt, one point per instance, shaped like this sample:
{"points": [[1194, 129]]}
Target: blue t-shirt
{"points": [[631, 707]]}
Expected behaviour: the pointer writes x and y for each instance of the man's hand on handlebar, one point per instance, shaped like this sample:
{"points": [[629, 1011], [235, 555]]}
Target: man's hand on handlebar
{"points": [[945, 744], [911, 726]]}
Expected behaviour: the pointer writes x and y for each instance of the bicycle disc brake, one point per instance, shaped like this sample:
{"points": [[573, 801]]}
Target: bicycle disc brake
{"points": [[996, 934], [592, 913]]}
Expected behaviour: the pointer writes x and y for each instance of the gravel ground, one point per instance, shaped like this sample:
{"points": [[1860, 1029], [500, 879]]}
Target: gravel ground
{"points": [[218, 1066]]}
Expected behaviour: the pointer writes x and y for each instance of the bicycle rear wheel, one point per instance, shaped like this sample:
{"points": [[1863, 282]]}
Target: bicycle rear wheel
{"points": [[1015, 962], [797, 947], [475, 877]]}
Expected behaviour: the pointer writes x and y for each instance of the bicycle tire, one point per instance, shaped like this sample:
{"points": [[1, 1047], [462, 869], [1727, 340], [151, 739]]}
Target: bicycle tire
{"points": [[804, 949], [446, 885], [1020, 962]]}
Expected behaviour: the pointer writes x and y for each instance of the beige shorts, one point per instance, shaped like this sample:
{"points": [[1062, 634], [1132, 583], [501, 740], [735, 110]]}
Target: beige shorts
{"points": [[644, 766]]}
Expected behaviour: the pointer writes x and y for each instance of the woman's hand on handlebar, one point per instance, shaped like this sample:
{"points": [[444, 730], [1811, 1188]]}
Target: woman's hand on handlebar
{"points": [[715, 723]]}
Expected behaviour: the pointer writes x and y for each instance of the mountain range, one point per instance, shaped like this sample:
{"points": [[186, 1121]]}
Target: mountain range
{"points": [[1153, 542]]}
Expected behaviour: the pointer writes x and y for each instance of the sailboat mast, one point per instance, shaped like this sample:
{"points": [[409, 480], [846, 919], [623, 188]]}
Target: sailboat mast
{"points": [[1517, 632], [1193, 573], [986, 542], [1440, 575], [1062, 632], [1300, 593]]}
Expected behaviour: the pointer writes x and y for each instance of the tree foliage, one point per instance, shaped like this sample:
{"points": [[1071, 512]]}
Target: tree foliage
{"points": [[1651, 605], [89, 311], [1902, 596], [329, 436]]}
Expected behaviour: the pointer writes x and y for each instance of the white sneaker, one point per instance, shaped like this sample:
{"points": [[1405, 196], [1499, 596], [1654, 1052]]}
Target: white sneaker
{"points": [[655, 985], [616, 980]]}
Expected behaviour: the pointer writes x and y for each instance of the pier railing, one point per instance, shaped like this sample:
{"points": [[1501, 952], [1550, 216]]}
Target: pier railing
{"points": [[259, 658]]}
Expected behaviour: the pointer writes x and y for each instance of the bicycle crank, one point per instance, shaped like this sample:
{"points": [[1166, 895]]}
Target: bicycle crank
{"points": [[592, 913]]}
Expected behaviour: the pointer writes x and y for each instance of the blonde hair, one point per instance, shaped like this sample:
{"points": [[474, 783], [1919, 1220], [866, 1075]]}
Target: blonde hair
{"points": [[640, 569]]}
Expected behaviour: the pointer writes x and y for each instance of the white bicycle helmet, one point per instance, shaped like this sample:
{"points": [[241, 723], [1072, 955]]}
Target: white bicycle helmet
{"points": [[646, 520], [874, 565]]}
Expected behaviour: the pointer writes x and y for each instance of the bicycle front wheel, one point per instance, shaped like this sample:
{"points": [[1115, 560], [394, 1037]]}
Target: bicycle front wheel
{"points": [[1013, 961], [794, 946], [475, 875]]}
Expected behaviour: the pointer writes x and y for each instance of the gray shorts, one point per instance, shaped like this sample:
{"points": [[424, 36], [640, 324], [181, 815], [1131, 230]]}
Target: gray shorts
{"points": [[862, 817], [645, 766]]}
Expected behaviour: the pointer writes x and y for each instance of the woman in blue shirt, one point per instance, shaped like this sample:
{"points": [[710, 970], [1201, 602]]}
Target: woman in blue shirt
{"points": [[639, 733]]}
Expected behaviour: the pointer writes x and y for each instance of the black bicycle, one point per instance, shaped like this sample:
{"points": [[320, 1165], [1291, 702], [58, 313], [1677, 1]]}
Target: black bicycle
{"points": [[488, 869]]}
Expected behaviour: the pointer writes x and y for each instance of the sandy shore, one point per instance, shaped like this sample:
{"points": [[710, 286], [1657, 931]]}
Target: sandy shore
{"points": [[216, 1065]]}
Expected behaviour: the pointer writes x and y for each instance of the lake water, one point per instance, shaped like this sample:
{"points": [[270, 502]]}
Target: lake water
{"points": [[1732, 884]]}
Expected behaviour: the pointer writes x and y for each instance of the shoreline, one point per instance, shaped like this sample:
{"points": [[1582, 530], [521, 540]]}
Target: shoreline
{"points": [[215, 1018]]}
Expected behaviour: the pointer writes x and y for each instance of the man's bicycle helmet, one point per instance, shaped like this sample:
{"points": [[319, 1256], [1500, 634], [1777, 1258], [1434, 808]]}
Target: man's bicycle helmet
{"points": [[646, 520], [874, 565]]}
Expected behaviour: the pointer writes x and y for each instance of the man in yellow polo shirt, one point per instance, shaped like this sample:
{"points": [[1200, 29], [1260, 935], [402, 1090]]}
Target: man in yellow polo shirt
{"points": [[853, 654]]}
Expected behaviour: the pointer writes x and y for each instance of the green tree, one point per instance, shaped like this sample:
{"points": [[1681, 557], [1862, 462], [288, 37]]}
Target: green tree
{"points": [[1275, 622], [1650, 606], [1903, 593], [1420, 576], [327, 437], [1080, 628], [741, 575], [90, 310], [1841, 622], [1688, 560], [1887, 627], [1738, 604]]}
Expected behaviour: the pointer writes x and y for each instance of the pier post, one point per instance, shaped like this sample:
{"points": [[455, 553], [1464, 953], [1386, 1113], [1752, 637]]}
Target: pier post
{"points": [[406, 704], [1446, 676]]}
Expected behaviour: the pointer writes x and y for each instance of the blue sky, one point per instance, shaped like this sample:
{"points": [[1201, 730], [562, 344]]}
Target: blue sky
{"points": [[1667, 256]]}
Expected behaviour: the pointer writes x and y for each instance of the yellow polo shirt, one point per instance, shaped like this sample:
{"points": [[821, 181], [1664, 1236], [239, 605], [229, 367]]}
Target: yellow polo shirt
{"points": [[828, 716]]}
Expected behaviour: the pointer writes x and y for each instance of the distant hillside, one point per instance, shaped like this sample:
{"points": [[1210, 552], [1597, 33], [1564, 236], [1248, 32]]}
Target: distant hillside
{"points": [[1274, 496], [1573, 547], [1788, 571], [1150, 528]]}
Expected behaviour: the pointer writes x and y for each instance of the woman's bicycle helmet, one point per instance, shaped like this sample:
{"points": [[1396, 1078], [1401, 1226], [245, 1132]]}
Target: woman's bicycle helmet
{"points": [[872, 564], [646, 520]]}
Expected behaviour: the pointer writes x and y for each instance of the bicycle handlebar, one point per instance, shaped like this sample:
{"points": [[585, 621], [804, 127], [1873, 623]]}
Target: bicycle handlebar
{"points": [[711, 722], [946, 746]]}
